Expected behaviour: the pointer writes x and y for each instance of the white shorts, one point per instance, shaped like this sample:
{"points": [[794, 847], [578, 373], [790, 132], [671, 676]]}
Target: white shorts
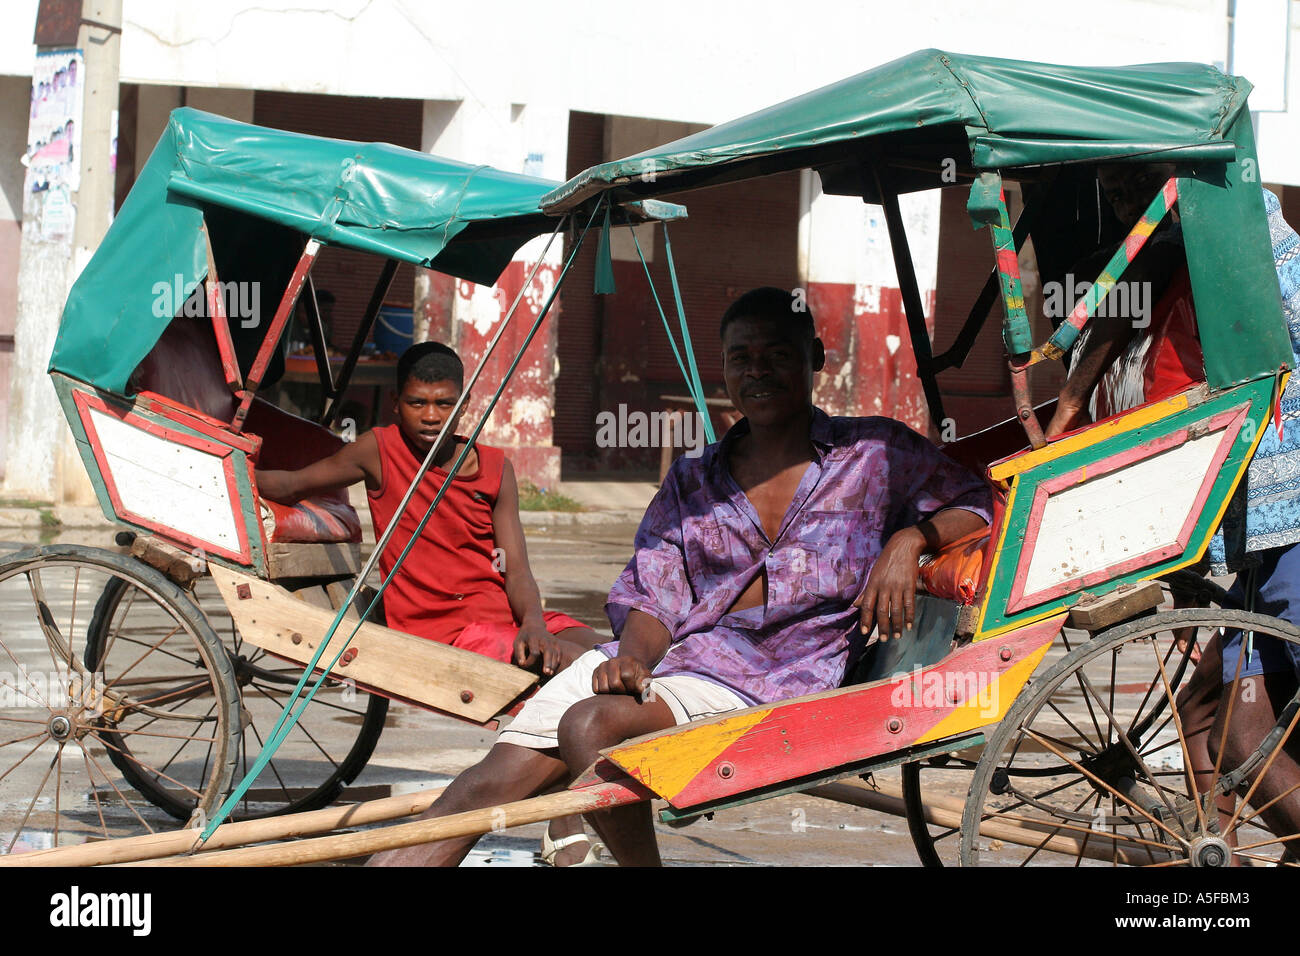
{"points": [[537, 724]]}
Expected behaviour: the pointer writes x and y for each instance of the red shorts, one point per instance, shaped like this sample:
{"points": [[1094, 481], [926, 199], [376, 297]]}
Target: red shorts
{"points": [[497, 641]]}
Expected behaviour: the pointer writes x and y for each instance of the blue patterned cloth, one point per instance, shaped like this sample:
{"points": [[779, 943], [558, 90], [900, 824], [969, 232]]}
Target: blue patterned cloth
{"points": [[1268, 514]]}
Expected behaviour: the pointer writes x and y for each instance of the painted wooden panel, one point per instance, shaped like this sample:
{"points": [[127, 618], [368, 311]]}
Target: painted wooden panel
{"points": [[1136, 509], [763, 746], [169, 483], [1103, 449], [380, 659]]}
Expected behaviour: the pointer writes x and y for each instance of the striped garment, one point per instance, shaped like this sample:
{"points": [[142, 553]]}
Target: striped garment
{"points": [[1267, 514]]}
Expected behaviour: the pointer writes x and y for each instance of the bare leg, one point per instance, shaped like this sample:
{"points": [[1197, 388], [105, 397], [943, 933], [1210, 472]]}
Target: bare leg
{"points": [[589, 727], [1197, 704], [1259, 701], [508, 773]]}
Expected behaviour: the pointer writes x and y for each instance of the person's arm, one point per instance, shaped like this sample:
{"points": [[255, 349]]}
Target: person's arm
{"points": [[355, 461], [1110, 333], [889, 599], [933, 501], [641, 646], [535, 647]]}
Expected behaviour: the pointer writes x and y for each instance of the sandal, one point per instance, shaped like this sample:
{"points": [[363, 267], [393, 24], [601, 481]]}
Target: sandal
{"points": [[550, 848]]}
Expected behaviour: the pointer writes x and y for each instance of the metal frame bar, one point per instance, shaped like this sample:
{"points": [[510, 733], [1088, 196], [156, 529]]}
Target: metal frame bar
{"points": [[316, 329], [272, 339], [919, 333], [220, 322], [333, 404]]}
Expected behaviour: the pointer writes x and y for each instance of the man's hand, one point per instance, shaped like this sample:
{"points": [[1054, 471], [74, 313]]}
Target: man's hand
{"points": [[621, 675], [540, 651], [889, 599]]}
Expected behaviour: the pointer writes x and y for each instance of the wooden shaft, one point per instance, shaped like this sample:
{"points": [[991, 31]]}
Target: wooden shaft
{"points": [[470, 823], [153, 846], [946, 812]]}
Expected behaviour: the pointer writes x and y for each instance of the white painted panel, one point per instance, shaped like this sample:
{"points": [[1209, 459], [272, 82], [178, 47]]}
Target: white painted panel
{"points": [[176, 486], [1119, 515]]}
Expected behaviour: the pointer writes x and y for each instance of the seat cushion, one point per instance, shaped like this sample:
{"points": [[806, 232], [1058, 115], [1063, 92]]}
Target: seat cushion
{"points": [[954, 572]]}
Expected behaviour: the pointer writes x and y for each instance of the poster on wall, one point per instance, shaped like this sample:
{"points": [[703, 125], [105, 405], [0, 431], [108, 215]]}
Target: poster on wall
{"points": [[53, 158]]}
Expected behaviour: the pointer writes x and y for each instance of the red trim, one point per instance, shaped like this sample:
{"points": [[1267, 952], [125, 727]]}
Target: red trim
{"points": [[192, 418], [85, 402], [849, 726], [272, 338], [221, 329], [1019, 600]]}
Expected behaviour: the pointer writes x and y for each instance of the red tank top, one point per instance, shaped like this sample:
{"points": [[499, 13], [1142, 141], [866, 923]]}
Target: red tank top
{"points": [[448, 581]]}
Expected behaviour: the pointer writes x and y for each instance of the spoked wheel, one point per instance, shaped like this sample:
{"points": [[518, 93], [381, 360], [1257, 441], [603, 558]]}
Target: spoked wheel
{"points": [[934, 790], [1089, 767], [324, 751], [86, 720]]}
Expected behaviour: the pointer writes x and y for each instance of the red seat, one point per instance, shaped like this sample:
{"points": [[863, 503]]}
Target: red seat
{"points": [[184, 366]]}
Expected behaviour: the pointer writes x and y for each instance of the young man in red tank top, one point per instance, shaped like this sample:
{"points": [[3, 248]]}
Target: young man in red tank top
{"points": [[466, 581]]}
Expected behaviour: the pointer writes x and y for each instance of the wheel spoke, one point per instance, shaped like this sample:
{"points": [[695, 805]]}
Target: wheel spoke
{"points": [[1108, 787], [140, 763], [35, 797], [109, 780], [301, 727]]}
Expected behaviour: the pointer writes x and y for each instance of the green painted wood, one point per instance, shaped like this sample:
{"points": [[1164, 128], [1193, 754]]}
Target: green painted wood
{"points": [[1230, 261], [1257, 393], [64, 387]]}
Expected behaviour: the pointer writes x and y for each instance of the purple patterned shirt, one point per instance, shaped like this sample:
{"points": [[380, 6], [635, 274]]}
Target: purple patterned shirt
{"points": [[701, 544]]}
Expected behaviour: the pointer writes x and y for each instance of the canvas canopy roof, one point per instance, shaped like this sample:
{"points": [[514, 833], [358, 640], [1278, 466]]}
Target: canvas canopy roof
{"points": [[457, 218], [984, 113]]}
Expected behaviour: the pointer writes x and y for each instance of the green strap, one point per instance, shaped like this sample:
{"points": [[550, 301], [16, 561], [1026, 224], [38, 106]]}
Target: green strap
{"points": [[288, 716], [696, 393], [686, 341]]}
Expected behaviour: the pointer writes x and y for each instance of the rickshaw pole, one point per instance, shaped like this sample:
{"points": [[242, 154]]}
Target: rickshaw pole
{"points": [[153, 846], [600, 796], [280, 731]]}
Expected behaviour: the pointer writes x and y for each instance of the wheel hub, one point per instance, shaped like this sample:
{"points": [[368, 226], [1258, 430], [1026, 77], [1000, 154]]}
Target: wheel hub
{"points": [[60, 727], [1210, 851]]}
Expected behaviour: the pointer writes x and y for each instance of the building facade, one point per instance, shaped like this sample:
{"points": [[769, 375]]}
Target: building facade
{"points": [[551, 89]]}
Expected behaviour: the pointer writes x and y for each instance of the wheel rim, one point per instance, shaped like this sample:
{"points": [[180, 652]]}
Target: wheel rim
{"points": [[1090, 767], [326, 748], [74, 715]]}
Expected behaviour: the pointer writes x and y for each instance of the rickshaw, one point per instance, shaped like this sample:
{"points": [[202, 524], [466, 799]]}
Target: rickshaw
{"points": [[157, 366], [1046, 675]]}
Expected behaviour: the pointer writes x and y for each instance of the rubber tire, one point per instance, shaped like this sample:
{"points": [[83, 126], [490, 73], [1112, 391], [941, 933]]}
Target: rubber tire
{"points": [[326, 792], [216, 663]]}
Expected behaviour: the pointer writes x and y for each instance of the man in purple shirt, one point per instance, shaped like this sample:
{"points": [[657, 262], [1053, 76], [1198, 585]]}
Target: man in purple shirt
{"points": [[751, 568]]}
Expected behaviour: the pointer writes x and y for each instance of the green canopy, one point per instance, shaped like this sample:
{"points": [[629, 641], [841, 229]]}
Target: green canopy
{"points": [[983, 113], [457, 218]]}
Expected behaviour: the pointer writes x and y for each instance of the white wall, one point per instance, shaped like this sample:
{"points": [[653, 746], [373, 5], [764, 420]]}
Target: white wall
{"points": [[685, 61]]}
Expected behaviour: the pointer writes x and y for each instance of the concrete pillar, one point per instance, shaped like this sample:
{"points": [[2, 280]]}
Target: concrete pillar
{"points": [[14, 92], [42, 461], [530, 139], [847, 268]]}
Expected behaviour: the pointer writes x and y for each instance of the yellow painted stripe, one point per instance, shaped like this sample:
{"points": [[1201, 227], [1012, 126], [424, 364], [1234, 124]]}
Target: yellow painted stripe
{"points": [[1092, 436], [997, 555], [1192, 555], [992, 704], [667, 763]]}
